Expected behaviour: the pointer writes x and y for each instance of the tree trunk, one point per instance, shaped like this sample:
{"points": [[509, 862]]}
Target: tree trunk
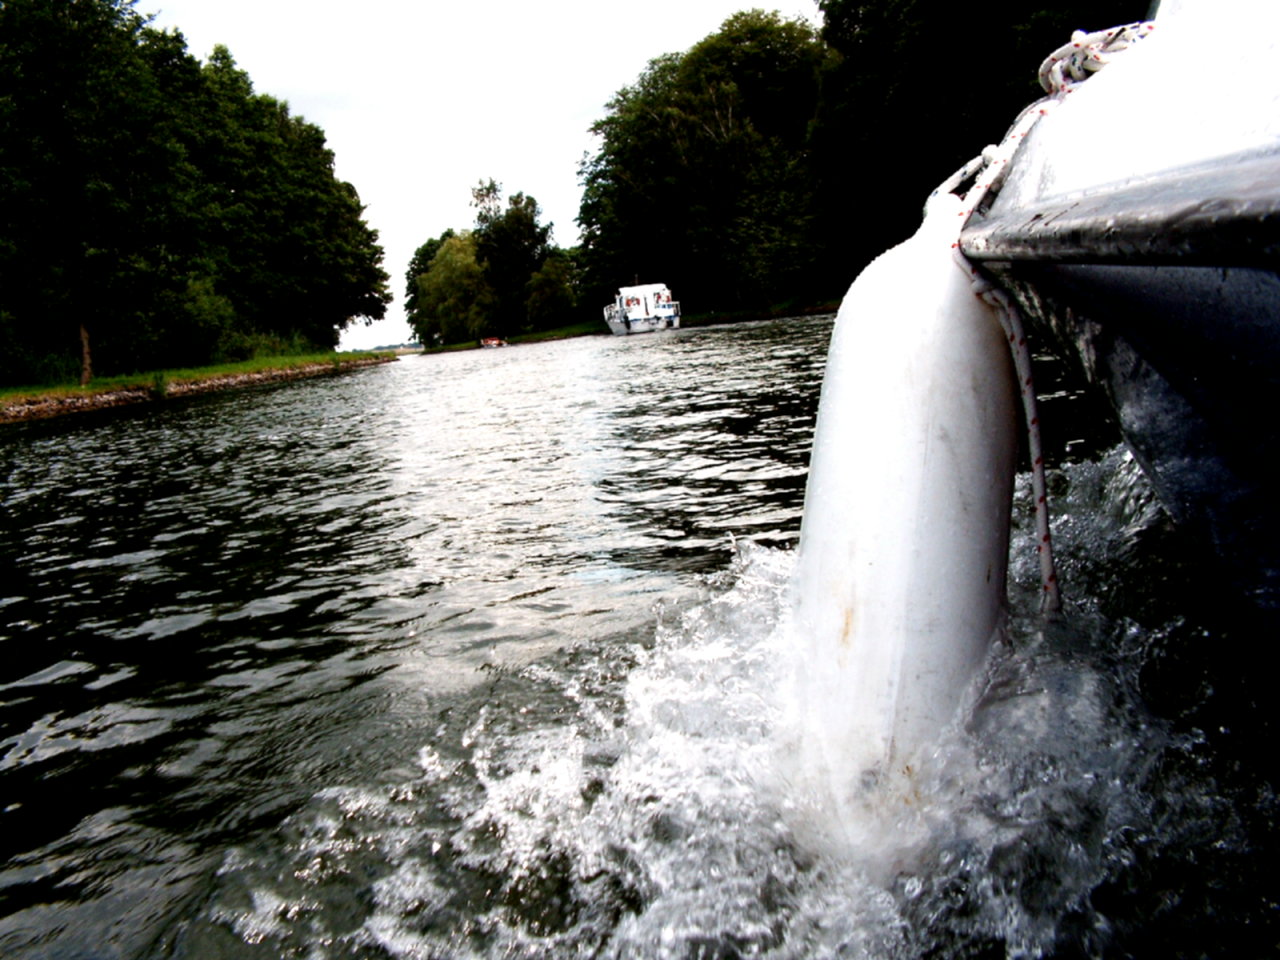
{"points": [[86, 366]]}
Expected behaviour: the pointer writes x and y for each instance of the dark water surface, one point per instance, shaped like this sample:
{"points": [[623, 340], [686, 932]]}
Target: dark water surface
{"points": [[474, 655], [216, 609]]}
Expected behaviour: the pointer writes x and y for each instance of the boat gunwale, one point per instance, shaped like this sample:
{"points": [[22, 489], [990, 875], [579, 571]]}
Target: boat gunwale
{"points": [[1224, 213]]}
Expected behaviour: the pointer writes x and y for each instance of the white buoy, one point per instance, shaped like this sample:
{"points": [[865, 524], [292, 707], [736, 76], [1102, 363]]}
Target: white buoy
{"points": [[900, 579]]}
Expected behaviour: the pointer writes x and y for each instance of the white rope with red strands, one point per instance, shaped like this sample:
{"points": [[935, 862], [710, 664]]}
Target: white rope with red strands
{"points": [[1087, 53], [1064, 69]]}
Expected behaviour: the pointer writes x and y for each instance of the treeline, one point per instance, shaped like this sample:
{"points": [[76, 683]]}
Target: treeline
{"points": [[770, 162], [502, 277], [154, 210]]}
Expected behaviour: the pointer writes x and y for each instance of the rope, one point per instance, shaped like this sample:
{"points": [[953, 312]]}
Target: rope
{"points": [[1062, 71], [1086, 54], [1011, 323]]}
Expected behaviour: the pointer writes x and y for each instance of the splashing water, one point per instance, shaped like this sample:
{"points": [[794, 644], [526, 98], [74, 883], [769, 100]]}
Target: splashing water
{"points": [[662, 812], [383, 707]]}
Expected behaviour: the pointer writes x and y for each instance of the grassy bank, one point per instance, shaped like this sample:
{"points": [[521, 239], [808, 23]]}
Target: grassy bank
{"points": [[25, 403]]}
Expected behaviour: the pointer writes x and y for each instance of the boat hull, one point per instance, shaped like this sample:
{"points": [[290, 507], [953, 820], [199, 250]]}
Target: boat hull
{"points": [[1187, 359], [643, 325], [1138, 229]]}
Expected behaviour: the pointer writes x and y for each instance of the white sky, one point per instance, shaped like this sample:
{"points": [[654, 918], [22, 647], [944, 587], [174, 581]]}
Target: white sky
{"points": [[421, 100]]}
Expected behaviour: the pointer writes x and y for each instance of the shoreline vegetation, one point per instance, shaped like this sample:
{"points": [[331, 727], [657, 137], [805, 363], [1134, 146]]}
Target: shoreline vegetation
{"points": [[597, 328], [158, 212], [39, 403], [19, 404]]}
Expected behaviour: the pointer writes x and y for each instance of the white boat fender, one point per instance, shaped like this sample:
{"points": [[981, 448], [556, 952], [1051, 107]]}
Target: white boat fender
{"points": [[899, 584]]}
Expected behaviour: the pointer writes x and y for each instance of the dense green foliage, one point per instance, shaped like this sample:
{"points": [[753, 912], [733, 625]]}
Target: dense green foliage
{"points": [[454, 301], [504, 277], [512, 246], [769, 163], [702, 178], [419, 265], [157, 208]]}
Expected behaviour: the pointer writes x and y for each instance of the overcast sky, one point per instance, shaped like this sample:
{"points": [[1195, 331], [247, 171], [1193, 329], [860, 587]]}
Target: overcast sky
{"points": [[420, 100]]}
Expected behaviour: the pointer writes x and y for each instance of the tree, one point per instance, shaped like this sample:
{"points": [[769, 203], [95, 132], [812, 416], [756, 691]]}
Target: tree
{"points": [[906, 103], [512, 246], [551, 293], [503, 277], [85, 164], [454, 297], [155, 211], [701, 179], [418, 266], [298, 257], [768, 162]]}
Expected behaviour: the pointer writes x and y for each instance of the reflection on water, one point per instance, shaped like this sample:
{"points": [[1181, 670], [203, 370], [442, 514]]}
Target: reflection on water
{"points": [[214, 608], [474, 655]]}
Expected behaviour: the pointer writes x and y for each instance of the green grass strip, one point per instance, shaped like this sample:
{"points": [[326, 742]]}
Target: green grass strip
{"points": [[156, 379]]}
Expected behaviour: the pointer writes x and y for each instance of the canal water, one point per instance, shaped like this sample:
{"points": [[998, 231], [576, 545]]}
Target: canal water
{"points": [[473, 655]]}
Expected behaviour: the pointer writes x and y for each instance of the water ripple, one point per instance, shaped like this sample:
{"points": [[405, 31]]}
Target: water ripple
{"points": [[214, 605]]}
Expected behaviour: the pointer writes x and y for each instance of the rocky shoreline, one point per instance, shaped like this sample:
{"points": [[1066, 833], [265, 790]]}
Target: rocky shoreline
{"points": [[53, 405]]}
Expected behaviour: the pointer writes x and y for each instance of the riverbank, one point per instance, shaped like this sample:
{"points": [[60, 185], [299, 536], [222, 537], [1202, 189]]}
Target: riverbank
{"points": [[39, 404], [597, 328]]}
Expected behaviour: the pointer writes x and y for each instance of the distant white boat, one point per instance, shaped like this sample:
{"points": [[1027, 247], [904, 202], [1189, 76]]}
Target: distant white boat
{"points": [[643, 309]]}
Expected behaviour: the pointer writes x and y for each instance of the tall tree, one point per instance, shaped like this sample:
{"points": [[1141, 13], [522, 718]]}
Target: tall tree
{"points": [[418, 266], [767, 162], [85, 162], [154, 211], [455, 300], [501, 278], [299, 257], [701, 179], [512, 246], [552, 291]]}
